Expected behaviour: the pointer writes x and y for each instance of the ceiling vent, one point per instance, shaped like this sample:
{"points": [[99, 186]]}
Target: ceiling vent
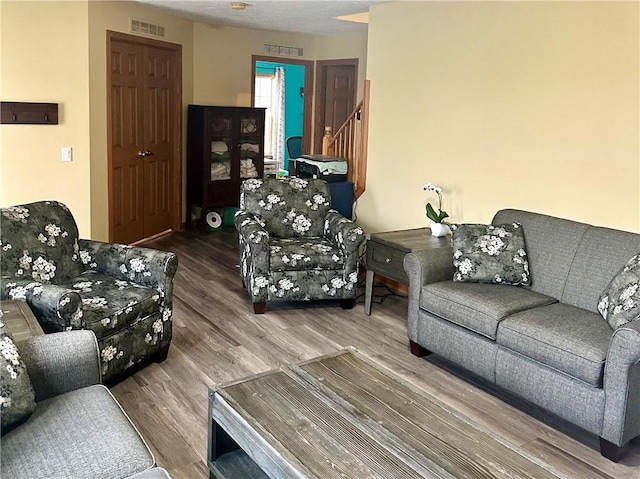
{"points": [[146, 28]]}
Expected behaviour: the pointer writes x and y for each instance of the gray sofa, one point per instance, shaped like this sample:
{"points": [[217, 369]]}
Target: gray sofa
{"points": [[546, 342], [78, 430]]}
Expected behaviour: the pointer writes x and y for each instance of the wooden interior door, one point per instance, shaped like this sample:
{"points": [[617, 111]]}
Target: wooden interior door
{"points": [[126, 215], [158, 111], [340, 95], [145, 137], [336, 95]]}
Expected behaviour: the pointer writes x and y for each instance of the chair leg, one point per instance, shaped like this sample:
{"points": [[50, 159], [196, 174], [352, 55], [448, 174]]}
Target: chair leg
{"points": [[418, 350], [259, 308], [161, 354], [347, 303], [611, 451]]}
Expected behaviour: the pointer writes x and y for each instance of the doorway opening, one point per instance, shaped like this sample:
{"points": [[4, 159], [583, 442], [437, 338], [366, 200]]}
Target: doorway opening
{"points": [[279, 84]]}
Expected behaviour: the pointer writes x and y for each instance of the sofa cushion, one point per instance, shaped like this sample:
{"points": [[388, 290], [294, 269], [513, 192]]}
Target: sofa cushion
{"points": [[155, 473], [476, 306], [110, 304], [39, 242], [563, 337], [619, 303], [291, 254], [83, 433], [289, 208], [490, 254], [551, 247], [600, 255], [17, 398], [311, 284]]}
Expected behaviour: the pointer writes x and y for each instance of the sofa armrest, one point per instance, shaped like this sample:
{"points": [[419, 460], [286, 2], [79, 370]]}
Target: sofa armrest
{"points": [[57, 308], [61, 362], [429, 266], [254, 254], [424, 267], [255, 238], [145, 266], [343, 232], [251, 227], [622, 385]]}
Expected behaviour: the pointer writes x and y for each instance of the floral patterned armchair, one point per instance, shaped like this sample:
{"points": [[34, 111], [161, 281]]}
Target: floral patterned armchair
{"points": [[122, 293], [293, 246]]}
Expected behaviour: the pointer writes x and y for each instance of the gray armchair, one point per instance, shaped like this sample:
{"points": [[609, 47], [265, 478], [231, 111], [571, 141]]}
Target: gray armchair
{"points": [[122, 293], [77, 429], [293, 246]]}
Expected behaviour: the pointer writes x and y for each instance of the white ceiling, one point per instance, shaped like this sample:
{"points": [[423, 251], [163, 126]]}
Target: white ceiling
{"points": [[295, 16]]}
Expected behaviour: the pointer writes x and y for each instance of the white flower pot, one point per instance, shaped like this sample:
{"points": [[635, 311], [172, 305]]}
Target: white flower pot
{"points": [[439, 229]]}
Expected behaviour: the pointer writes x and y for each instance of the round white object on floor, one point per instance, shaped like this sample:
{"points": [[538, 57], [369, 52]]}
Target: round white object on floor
{"points": [[214, 220]]}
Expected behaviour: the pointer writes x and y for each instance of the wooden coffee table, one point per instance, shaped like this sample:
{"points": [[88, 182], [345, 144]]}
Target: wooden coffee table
{"points": [[343, 416]]}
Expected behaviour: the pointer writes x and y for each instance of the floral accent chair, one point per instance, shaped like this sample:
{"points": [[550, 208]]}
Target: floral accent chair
{"points": [[122, 293], [293, 246]]}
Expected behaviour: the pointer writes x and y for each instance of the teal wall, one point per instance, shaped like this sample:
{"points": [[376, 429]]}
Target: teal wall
{"points": [[293, 101]]}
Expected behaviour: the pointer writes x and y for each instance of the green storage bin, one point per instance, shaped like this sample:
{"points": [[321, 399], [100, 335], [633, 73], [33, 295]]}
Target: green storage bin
{"points": [[228, 214]]}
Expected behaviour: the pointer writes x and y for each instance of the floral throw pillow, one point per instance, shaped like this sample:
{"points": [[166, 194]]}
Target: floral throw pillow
{"points": [[17, 399], [490, 254], [619, 303]]}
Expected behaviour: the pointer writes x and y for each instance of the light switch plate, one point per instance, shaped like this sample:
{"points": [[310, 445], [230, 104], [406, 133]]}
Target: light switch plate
{"points": [[66, 153]]}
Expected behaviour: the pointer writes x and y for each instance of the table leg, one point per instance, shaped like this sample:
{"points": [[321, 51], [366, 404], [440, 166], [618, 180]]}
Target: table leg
{"points": [[219, 441], [368, 292]]}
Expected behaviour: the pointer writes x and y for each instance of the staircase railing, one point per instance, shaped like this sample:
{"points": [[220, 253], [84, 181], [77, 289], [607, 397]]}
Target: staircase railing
{"points": [[350, 142]]}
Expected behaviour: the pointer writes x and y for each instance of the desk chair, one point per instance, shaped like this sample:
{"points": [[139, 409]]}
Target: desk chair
{"points": [[294, 146]]}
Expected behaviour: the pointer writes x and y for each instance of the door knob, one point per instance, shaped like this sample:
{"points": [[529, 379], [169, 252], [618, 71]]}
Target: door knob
{"points": [[148, 153], [142, 154]]}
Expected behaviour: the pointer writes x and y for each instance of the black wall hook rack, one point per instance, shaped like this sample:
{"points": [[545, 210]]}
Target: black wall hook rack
{"points": [[22, 113]]}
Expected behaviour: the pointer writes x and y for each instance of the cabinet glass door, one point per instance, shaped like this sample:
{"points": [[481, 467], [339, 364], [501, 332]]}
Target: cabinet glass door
{"points": [[251, 138], [221, 146]]}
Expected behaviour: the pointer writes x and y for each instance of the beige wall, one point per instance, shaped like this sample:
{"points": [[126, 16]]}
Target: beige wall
{"points": [[530, 105], [351, 45], [222, 71], [222, 75], [115, 16], [44, 60]]}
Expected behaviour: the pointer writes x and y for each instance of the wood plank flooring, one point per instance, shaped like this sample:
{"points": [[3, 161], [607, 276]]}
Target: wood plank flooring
{"points": [[217, 338]]}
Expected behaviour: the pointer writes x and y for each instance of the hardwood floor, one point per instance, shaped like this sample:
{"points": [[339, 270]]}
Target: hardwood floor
{"points": [[217, 338]]}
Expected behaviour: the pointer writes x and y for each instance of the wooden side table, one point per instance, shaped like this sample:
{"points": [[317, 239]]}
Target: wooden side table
{"points": [[386, 252], [19, 320]]}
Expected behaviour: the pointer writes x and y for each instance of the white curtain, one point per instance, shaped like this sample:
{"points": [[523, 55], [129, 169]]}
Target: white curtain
{"points": [[278, 154]]}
